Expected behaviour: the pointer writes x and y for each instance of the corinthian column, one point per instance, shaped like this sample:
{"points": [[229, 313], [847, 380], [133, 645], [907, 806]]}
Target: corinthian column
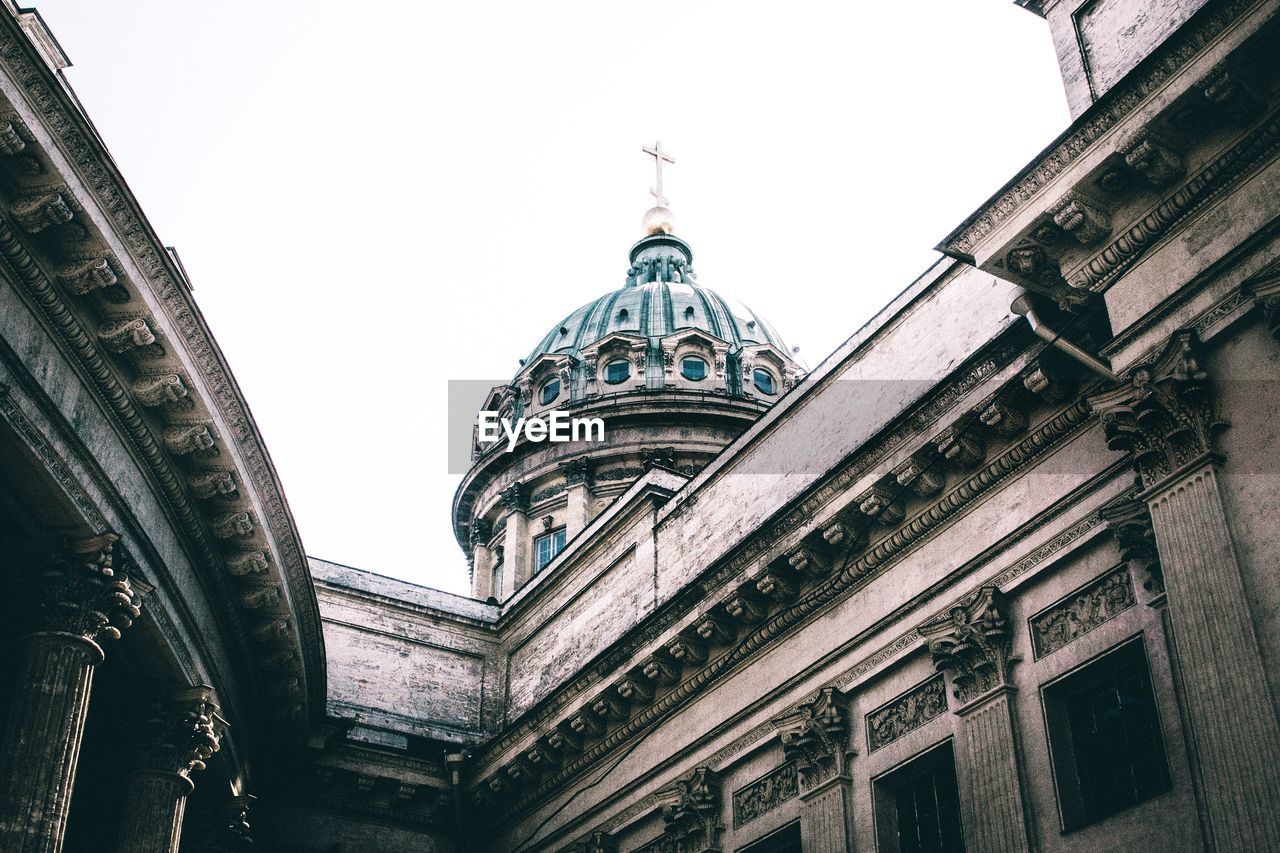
{"points": [[180, 734], [972, 644], [816, 737], [517, 560], [79, 600], [1163, 417]]}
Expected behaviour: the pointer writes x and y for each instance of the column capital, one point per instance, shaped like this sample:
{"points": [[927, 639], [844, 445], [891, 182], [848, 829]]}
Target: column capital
{"points": [[691, 810], [1162, 413], [578, 472], [515, 497], [815, 737], [480, 532], [973, 643], [82, 592], [1129, 519], [180, 733]]}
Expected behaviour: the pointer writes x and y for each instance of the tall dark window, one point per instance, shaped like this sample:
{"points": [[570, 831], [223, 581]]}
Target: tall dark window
{"points": [[546, 547], [1104, 731], [918, 806], [785, 840]]}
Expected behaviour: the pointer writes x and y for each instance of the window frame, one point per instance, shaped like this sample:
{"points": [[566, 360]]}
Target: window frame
{"points": [[542, 390], [886, 790], [773, 381], [706, 367], [610, 363], [1073, 812], [549, 536]]}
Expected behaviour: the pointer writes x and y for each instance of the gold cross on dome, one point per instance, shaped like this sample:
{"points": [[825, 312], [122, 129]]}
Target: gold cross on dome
{"points": [[659, 157]]}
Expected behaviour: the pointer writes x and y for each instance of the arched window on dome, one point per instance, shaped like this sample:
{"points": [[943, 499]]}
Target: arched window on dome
{"points": [[693, 368], [617, 371], [764, 381], [550, 391]]}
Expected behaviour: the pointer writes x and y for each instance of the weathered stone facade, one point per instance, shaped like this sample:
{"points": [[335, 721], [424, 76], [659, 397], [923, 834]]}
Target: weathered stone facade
{"points": [[923, 568]]}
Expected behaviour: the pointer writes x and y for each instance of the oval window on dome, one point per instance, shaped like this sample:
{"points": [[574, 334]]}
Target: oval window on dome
{"points": [[763, 380], [617, 371], [550, 390], [694, 368]]}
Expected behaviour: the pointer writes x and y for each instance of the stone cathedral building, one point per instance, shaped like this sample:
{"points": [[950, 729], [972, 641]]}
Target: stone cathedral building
{"points": [[998, 574]]}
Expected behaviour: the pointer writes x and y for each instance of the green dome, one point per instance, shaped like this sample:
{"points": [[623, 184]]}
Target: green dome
{"points": [[659, 298]]}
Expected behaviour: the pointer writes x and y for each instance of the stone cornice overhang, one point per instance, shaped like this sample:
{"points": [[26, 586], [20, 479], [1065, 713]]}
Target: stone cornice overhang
{"points": [[114, 268], [1172, 135], [789, 571], [663, 408]]}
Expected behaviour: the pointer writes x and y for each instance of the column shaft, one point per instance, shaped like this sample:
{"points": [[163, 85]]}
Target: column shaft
{"points": [[42, 740], [990, 783], [153, 812], [824, 818], [1233, 720], [517, 564]]}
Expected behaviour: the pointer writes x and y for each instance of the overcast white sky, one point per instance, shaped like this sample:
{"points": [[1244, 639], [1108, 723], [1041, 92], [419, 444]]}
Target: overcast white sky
{"points": [[374, 198]]}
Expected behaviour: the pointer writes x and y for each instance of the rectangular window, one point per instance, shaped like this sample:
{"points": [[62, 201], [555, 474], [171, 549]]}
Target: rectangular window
{"points": [[545, 548], [918, 806], [1104, 735], [785, 840]]}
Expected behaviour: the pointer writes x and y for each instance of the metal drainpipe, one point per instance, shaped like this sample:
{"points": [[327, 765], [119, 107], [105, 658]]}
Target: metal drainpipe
{"points": [[1022, 305]]}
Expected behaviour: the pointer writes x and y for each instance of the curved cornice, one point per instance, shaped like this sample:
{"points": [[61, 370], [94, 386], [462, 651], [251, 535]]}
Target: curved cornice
{"points": [[181, 405]]}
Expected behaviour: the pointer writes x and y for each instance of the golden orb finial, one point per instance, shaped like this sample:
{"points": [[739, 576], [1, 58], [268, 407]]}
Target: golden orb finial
{"points": [[658, 220]]}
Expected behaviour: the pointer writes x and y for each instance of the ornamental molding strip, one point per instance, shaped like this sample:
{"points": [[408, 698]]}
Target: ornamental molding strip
{"points": [[88, 272]]}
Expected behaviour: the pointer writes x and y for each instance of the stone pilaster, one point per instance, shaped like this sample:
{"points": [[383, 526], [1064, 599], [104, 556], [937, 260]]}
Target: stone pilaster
{"points": [[482, 561], [972, 644], [816, 737], [78, 600], [517, 560], [577, 486], [1163, 417], [175, 740]]}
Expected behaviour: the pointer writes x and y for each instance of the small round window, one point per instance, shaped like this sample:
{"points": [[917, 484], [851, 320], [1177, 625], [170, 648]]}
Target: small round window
{"points": [[763, 381], [550, 391], [692, 367], [617, 371]]}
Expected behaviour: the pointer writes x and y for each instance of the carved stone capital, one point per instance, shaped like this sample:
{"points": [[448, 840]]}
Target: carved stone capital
{"points": [[180, 733], [815, 736], [480, 533], [973, 643], [578, 472], [515, 497], [1129, 519], [691, 810], [1162, 414], [81, 592]]}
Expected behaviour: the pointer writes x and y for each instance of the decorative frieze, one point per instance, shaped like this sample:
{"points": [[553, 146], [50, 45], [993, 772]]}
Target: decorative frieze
{"points": [[1162, 415], [765, 794], [815, 737], [973, 643], [906, 713], [1100, 601]]}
